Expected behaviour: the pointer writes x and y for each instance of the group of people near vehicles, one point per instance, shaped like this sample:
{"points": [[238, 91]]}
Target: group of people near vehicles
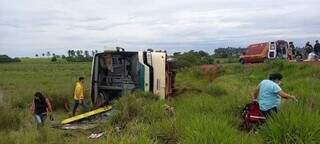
{"points": [[41, 107], [268, 94], [309, 52]]}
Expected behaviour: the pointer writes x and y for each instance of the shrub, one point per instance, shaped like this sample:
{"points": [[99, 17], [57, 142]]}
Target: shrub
{"points": [[9, 118], [215, 90], [53, 59], [130, 106], [5, 59]]}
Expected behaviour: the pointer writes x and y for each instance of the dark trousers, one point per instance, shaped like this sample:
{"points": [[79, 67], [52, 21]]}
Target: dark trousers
{"points": [[269, 112], [76, 104]]}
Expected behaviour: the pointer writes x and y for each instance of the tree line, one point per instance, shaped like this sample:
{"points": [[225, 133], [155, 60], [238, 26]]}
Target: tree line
{"points": [[229, 51], [220, 55], [6, 59], [71, 56]]}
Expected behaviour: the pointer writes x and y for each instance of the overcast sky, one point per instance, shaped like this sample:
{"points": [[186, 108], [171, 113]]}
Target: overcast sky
{"points": [[28, 27]]}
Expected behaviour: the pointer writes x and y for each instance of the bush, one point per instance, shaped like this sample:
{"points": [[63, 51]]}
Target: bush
{"points": [[131, 106], [5, 59], [9, 118], [215, 90], [79, 59], [53, 59]]}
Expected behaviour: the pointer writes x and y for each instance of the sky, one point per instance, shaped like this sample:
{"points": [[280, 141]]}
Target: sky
{"points": [[28, 27]]}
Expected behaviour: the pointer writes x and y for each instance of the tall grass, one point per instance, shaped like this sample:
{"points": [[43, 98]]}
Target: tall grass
{"points": [[205, 111]]}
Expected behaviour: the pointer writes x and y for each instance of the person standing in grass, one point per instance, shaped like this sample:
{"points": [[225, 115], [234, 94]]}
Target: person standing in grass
{"points": [[269, 94], [79, 96], [317, 48], [308, 49], [41, 108]]}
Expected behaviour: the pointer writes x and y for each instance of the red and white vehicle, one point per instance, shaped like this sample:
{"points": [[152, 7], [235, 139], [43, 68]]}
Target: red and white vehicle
{"points": [[260, 52]]}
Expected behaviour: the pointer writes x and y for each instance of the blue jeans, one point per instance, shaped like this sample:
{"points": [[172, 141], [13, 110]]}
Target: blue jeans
{"points": [[40, 119], [77, 103]]}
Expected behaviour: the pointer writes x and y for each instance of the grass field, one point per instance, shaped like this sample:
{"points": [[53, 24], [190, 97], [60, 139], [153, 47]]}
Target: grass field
{"points": [[205, 111]]}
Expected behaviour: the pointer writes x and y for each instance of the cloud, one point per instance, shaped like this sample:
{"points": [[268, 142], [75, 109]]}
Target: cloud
{"points": [[33, 26]]}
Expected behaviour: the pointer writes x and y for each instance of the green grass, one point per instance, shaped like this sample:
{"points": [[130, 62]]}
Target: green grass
{"points": [[205, 111]]}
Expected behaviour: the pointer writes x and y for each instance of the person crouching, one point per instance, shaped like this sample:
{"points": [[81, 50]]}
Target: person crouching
{"points": [[269, 94], [40, 108]]}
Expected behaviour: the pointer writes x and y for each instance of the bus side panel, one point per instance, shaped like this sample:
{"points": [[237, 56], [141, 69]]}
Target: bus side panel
{"points": [[94, 79], [159, 73], [144, 74]]}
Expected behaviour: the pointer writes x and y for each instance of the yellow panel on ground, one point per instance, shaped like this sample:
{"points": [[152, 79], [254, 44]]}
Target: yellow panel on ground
{"points": [[87, 114]]}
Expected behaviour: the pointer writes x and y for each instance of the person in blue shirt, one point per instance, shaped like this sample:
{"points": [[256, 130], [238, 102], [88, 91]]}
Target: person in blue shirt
{"points": [[269, 94]]}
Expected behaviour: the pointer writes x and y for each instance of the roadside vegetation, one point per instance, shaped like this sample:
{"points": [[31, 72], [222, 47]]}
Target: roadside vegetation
{"points": [[204, 111]]}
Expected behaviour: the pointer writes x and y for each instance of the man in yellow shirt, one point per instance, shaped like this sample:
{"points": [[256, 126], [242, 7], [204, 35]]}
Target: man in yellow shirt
{"points": [[79, 91]]}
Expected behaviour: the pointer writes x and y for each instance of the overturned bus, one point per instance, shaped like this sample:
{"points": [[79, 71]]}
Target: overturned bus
{"points": [[115, 73]]}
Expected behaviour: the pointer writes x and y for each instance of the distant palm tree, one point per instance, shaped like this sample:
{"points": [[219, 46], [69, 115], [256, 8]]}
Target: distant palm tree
{"points": [[92, 52], [48, 54]]}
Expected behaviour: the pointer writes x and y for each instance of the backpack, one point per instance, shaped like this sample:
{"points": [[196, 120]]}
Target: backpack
{"points": [[252, 115]]}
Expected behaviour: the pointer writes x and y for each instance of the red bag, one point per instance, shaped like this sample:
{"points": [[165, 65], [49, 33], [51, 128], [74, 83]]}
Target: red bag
{"points": [[252, 114]]}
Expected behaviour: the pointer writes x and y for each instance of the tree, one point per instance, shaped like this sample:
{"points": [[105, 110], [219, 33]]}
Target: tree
{"points": [[92, 53], [48, 54], [69, 53], [37, 55], [86, 54], [176, 53], [73, 53], [203, 54], [43, 54], [78, 53]]}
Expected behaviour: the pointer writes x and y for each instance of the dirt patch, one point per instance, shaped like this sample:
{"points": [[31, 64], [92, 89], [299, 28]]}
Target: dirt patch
{"points": [[210, 71], [310, 63], [186, 89]]}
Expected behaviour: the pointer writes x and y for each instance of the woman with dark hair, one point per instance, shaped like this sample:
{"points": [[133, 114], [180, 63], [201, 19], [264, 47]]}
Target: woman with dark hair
{"points": [[41, 108], [269, 93]]}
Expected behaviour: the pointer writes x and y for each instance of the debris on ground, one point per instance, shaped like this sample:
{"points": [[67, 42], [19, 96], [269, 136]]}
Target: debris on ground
{"points": [[78, 126], [88, 123], [169, 109], [117, 129], [96, 135], [86, 115]]}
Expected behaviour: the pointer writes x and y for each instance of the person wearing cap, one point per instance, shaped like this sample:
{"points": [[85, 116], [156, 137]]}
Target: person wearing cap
{"points": [[269, 93], [317, 48]]}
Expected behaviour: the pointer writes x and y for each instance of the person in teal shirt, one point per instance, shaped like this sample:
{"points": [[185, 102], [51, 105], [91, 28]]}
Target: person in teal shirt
{"points": [[269, 93]]}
